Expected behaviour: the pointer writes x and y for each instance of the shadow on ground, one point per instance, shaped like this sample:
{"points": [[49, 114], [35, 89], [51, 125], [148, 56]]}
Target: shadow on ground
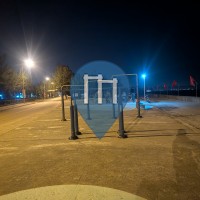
{"points": [[186, 164]]}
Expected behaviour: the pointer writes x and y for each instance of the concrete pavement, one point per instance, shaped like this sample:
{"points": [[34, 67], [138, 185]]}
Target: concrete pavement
{"points": [[158, 160]]}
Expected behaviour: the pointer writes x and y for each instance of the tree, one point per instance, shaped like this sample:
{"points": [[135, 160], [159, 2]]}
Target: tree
{"points": [[11, 81], [8, 78], [62, 76], [3, 68]]}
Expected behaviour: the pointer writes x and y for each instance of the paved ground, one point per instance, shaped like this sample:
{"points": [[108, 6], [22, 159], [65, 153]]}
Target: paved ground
{"points": [[160, 159]]}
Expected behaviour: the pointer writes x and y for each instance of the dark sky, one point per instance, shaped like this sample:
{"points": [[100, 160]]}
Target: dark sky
{"points": [[161, 39]]}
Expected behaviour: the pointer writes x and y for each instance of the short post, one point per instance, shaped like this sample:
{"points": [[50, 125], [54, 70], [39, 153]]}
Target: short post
{"points": [[63, 106], [196, 89], [121, 119], [88, 110], [77, 132], [113, 108], [73, 135], [138, 99]]}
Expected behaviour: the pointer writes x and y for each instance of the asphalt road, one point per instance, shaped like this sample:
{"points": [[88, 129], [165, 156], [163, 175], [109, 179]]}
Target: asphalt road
{"points": [[14, 117]]}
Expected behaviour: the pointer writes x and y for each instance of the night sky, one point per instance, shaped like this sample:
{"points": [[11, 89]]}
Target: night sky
{"points": [[161, 39]]}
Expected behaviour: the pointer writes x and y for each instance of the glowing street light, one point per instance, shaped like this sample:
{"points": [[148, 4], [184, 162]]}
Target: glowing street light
{"points": [[144, 77], [29, 63]]}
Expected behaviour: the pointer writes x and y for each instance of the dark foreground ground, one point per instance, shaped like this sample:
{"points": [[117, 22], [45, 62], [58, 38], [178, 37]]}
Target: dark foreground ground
{"points": [[160, 159]]}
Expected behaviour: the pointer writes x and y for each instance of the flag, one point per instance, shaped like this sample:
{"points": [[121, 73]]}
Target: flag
{"points": [[174, 83], [165, 86], [192, 81]]}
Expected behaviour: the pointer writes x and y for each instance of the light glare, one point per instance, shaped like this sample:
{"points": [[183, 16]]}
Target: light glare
{"points": [[29, 63], [143, 76]]}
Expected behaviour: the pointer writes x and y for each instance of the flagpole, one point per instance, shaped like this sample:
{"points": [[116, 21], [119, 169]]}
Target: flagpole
{"points": [[193, 83], [178, 89], [196, 88]]}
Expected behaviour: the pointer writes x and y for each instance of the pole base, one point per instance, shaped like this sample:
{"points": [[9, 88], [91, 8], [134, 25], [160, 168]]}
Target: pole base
{"points": [[63, 120], [122, 131], [78, 133], [122, 136], [139, 116], [73, 137]]}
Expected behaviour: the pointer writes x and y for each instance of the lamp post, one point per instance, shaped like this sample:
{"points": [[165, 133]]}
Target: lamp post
{"points": [[23, 88], [144, 76], [46, 79], [137, 88], [29, 64], [52, 93]]}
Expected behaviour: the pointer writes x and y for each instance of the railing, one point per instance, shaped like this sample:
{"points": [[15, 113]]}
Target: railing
{"points": [[181, 98]]}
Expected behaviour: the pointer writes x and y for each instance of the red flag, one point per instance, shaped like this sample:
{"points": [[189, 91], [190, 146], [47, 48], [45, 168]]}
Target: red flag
{"points": [[165, 85], [174, 83], [192, 81]]}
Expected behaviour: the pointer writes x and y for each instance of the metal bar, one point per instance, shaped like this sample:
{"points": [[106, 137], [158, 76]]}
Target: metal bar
{"points": [[77, 132], [137, 85], [63, 106]]}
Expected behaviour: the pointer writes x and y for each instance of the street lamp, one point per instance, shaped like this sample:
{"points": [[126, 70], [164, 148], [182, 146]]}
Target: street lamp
{"points": [[137, 87], [52, 92], [46, 79], [144, 77], [29, 63]]}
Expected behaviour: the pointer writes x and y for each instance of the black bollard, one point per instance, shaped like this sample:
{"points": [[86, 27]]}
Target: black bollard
{"points": [[77, 132], [73, 135], [121, 121], [122, 114], [88, 111], [63, 106], [138, 107], [113, 108]]}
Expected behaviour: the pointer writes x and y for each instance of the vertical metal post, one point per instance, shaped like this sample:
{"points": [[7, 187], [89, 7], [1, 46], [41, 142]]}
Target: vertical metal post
{"points": [[144, 90], [138, 98], [44, 91], [178, 89], [196, 89], [77, 132], [23, 85], [121, 118], [73, 135], [113, 108], [63, 105], [88, 110]]}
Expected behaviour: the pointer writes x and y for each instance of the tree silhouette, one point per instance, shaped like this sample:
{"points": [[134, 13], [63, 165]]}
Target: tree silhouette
{"points": [[62, 76]]}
